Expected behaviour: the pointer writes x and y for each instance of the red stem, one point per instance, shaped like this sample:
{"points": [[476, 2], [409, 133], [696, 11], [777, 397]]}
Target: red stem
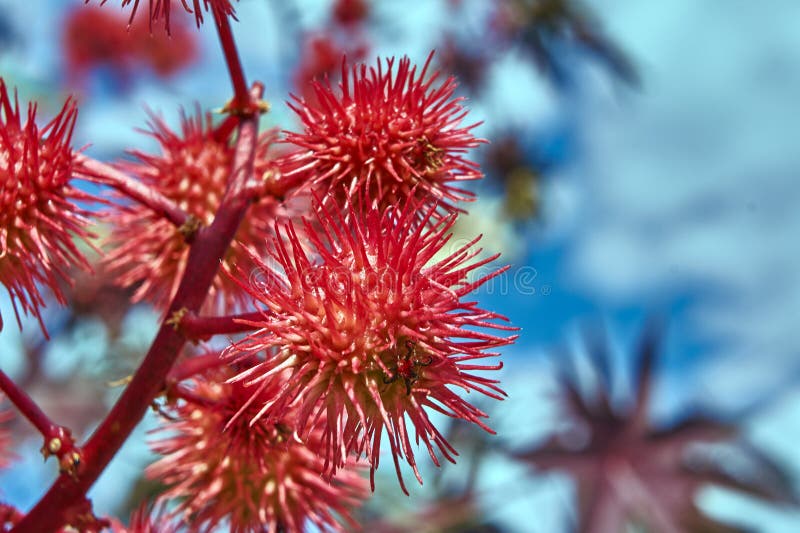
{"points": [[27, 407], [201, 327], [241, 96], [194, 365], [96, 171], [203, 262]]}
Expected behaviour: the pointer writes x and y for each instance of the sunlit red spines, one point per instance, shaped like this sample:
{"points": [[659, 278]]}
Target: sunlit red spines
{"points": [[39, 218], [351, 12], [253, 476], [390, 132], [369, 329]]}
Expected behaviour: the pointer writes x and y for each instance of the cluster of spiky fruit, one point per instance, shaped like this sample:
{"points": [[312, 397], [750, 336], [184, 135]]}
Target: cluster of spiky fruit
{"points": [[357, 322]]}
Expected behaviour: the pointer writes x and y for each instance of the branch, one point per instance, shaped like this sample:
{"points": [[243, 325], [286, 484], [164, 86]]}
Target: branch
{"points": [[241, 97], [195, 365], [203, 327], [58, 439], [135, 190]]}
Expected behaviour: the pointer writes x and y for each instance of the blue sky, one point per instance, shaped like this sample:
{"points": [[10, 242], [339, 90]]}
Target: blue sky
{"points": [[681, 197]]}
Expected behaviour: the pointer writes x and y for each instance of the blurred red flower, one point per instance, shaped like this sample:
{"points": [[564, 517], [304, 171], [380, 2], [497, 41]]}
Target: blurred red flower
{"points": [[95, 37]]}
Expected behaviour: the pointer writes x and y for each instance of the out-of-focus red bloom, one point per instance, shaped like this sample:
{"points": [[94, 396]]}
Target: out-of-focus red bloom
{"points": [[321, 56], [322, 60], [350, 12], [388, 134], [159, 10], [468, 64], [38, 217], [193, 170], [98, 37], [257, 476], [374, 333]]}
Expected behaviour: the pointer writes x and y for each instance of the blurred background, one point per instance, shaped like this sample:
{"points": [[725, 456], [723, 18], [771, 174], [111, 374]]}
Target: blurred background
{"points": [[641, 179]]}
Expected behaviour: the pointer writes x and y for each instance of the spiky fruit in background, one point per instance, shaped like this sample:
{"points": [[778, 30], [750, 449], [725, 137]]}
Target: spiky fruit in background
{"points": [[321, 59], [223, 464], [94, 37], [160, 10], [389, 133], [39, 219], [629, 473], [349, 12], [149, 252], [374, 333]]}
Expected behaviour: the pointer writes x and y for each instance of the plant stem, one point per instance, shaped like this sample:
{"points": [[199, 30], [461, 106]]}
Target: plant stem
{"points": [[241, 96], [193, 366], [27, 407], [198, 327], [135, 190], [202, 266]]}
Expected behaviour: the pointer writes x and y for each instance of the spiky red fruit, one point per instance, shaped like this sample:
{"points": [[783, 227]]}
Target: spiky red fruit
{"points": [[391, 133], [193, 169], [38, 217], [255, 476], [370, 331], [159, 10]]}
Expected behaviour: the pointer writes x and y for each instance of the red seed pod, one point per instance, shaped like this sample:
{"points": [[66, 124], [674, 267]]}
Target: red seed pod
{"points": [[95, 37], [193, 168], [386, 135], [350, 12], [370, 332], [39, 219], [257, 476]]}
